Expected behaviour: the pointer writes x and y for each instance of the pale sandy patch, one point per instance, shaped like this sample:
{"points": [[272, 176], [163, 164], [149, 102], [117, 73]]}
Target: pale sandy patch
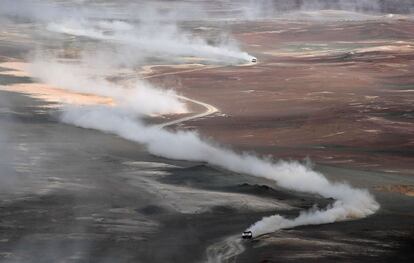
{"points": [[15, 73], [47, 92], [15, 66], [52, 94], [17, 69], [401, 189]]}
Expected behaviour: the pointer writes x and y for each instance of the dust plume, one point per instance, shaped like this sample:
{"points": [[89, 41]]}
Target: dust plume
{"points": [[138, 96], [152, 27], [350, 203], [154, 39], [141, 99]]}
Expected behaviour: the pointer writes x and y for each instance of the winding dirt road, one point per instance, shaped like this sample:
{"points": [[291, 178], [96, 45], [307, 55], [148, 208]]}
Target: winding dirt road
{"points": [[210, 110]]}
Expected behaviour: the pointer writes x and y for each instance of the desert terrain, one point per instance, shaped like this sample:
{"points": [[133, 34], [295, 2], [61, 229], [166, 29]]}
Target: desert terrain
{"points": [[332, 91]]}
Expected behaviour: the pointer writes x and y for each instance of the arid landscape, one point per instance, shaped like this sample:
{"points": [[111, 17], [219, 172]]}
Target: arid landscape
{"points": [[338, 93], [160, 131]]}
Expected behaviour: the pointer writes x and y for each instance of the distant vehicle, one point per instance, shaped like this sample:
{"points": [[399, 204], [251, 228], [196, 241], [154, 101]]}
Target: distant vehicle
{"points": [[247, 235], [254, 60]]}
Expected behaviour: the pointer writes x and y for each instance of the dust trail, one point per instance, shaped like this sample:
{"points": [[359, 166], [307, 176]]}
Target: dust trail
{"points": [[159, 38], [139, 97], [351, 203], [154, 39], [225, 251]]}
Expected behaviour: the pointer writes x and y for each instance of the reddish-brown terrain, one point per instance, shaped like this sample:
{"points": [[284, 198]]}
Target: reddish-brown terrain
{"points": [[340, 93]]}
